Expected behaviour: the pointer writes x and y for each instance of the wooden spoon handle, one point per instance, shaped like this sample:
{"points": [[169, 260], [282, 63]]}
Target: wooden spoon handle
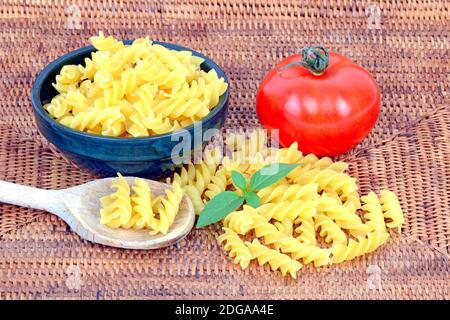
{"points": [[26, 196]]}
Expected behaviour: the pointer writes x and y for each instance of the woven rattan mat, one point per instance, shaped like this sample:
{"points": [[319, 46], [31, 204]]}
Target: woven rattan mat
{"points": [[405, 44]]}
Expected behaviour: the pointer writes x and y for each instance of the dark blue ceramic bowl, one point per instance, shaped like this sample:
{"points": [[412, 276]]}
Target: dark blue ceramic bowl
{"points": [[105, 156]]}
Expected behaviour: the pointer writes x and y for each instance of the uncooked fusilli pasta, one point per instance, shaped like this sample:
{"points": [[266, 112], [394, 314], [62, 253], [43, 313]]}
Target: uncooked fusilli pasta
{"points": [[276, 260], [134, 90], [240, 221], [310, 216], [391, 210], [235, 245], [117, 209], [140, 210], [168, 210], [373, 212]]}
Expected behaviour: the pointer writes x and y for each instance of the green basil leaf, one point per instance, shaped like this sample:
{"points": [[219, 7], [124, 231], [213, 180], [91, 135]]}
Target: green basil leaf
{"points": [[270, 174], [219, 207], [252, 199], [239, 180]]}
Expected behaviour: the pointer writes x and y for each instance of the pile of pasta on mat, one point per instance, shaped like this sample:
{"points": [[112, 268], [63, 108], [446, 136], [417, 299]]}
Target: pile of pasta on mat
{"points": [[313, 215], [134, 90], [140, 210]]}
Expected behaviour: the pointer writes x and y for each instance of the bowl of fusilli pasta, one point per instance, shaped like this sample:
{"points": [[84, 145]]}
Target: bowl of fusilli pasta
{"points": [[125, 106]]}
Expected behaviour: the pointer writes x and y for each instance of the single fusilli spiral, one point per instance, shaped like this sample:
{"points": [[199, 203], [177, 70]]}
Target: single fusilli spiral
{"points": [[275, 259], [289, 155], [290, 210], [116, 207], [342, 215], [215, 87], [170, 59], [391, 210], [240, 221], [142, 205], [175, 108], [285, 226], [68, 79], [58, 107], [169, 210], [69, 74], [351, 201], [373, 212], [217, 184], [329, 229], [328, 178], [196, 179], [196, 198], [110, 121], [234, 244], [103, 43], [356, 248], [306, 231], [308, 253], [109, 61], [153, 71], [160, 125], [278, 193]]}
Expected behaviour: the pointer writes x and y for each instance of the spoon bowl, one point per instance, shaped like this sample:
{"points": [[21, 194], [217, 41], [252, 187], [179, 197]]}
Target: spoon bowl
{"points": [[80, 206]]}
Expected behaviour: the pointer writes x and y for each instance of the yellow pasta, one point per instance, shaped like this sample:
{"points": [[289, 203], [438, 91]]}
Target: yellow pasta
{"points": [[342, 215], [289, 155], [58, 107], [306, 231], [351, 201], [278, 193], [156, 90], [356, 248], [108, 122], [330, 230], [142, 204], [217, 184], [240, 221], [198, 178], [290, 210], [285, 226], [168, 211], [235, 245], [323, 163], [288, 244], [373, 212], [391, 210], [116, 207], [310, 216], [276, 260], [140, 210], [196, 198], [329, 178]]}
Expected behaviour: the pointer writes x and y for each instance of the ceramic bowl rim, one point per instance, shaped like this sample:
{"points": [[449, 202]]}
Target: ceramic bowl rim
{"points": [[84, 51]]}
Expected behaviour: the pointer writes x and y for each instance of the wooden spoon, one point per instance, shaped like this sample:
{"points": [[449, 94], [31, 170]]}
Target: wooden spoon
{"points": [[80, 207]]}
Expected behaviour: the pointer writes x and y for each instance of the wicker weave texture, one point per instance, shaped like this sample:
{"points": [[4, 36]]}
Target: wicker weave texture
{"points": [[406, 48]]}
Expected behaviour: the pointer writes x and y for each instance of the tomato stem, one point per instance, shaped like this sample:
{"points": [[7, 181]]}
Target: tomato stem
{"points": [[314, 58]]}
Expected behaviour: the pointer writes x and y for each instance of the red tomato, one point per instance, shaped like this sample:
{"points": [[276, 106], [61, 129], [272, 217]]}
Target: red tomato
{"points": [[327, 113]]}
